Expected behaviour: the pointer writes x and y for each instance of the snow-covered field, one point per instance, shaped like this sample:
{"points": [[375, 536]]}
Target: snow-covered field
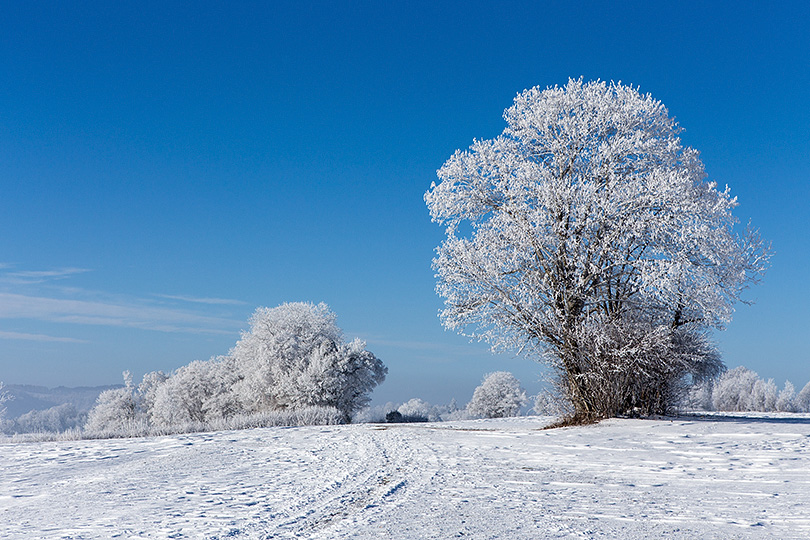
{"points": [[715, 477]]}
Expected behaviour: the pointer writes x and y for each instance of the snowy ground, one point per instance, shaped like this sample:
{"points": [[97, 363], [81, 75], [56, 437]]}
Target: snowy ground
{"points": [[622, 479]]}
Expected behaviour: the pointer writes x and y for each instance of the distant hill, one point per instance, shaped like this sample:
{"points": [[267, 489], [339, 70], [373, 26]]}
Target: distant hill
{"points": [[38, 398]]}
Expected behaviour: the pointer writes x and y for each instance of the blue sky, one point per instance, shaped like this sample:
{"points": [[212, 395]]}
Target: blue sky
{"points": [[167, 167]]}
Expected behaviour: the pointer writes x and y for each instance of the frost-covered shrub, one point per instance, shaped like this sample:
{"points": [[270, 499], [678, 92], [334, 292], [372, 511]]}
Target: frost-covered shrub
{"points": [[742, 390], [763, 396], [373, 415], [294, 356], [785, 402], [197, 392], [178, 400], [316, 416], [413, 410], [452, 413], [416, 410], [147, 390], [115, 409], [734, 389], [4, 396], [498, 396], [802, 400], [397, 417], [309, 416], [56, 419]]}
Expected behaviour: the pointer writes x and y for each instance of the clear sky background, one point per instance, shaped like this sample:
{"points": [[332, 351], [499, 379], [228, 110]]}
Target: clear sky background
{"points": [[167, 167]]}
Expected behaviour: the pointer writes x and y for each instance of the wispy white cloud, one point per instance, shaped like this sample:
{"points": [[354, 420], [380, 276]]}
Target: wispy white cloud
{"points": [[132, 314], [32, 277], [33, 295], [59, 273], [38, 337], [195, 300]]}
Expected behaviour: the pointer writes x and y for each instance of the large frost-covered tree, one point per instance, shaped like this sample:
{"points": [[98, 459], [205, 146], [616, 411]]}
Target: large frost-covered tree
{"points": [[294, 356], [588, 232]]}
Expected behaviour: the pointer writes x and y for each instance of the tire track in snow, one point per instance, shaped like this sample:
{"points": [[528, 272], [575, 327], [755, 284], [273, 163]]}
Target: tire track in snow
{"points": [[365, 473], [388, 467]]}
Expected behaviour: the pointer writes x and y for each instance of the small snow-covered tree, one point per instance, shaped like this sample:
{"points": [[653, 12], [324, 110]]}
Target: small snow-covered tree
{"points": [[294, 356], [734, 389], [763, 396], [802, 400], [418, 410], [785, 402], [200, 391], [4, 396], [586, 225], [56, 419], [147, 390], [498, 396], [115, 409]]}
